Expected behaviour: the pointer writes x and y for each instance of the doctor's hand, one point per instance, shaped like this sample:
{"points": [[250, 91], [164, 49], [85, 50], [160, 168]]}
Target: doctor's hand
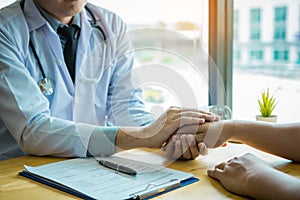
{"points": [[160, 131], [187, 143]]}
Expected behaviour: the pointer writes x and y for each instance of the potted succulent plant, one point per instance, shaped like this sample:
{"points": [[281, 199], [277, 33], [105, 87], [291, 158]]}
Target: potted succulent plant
{"points": [[267, 104]]}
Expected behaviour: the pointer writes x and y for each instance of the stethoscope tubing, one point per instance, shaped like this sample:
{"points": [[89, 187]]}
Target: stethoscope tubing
{"points": [[45, 84], [37, 58]]}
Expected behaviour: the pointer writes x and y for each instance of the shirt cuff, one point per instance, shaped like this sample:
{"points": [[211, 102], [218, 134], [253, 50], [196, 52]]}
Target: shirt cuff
{"points": [[102, 141]]}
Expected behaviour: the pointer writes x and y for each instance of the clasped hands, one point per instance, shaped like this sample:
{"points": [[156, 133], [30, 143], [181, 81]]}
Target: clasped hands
{"points": [[180, 132]]}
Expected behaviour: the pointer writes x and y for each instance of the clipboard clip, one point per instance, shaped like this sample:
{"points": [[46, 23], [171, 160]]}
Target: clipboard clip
{"points": [[153, 189]]}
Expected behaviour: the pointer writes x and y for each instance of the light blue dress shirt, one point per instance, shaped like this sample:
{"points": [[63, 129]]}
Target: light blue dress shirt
{"points": [[44, 125]]}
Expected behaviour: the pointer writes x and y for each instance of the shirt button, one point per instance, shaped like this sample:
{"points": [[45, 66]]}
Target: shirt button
{"points": [[59, 61]]}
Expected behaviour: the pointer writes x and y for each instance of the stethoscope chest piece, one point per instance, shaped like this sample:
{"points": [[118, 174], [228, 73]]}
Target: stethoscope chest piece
{"points": [[46, 87]]}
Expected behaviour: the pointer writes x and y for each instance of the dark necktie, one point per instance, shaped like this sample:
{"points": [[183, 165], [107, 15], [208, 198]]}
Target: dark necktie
{"points": [[69, 43]]}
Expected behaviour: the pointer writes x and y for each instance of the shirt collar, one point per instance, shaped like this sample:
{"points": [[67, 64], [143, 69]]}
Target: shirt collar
{"points": [[54, 22]]}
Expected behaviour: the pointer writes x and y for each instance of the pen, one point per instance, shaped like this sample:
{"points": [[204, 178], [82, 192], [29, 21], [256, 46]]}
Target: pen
{"points": [[117, 167]]}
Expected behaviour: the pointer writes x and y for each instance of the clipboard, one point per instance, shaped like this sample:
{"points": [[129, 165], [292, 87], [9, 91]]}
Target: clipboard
{"points": [[54, 185], [147, 190], [138, 195]]}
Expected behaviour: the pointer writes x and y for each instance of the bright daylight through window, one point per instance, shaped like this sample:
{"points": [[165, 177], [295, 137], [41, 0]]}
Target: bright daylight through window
{"points": [[266, 54], [170, 39], [167, 34]]}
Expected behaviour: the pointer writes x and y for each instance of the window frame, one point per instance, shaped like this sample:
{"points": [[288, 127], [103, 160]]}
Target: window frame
{"points": [[221, 13]]}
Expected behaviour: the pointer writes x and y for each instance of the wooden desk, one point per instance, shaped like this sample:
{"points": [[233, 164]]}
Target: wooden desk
{"points": [[13, 186]]}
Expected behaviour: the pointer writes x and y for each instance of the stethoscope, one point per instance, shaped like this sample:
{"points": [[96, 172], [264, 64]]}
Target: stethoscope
{"points": [[45, 84]]}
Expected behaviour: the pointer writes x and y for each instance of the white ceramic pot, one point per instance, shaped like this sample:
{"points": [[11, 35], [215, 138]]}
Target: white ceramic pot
{"points": [[272, 118]]}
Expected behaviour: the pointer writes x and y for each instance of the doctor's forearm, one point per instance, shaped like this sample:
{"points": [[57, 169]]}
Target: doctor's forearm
{"points": [[55, 137], [102, 141], [130, 138]]}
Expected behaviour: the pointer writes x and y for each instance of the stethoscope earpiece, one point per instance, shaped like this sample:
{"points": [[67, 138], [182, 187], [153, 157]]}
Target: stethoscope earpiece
{"points": [[46, 86]]}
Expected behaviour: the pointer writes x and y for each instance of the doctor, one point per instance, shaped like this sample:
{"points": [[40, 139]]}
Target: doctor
{"points": [[56, 103]]}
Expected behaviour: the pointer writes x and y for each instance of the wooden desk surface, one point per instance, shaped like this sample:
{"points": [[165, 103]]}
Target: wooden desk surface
{"points": [[14, 186]]}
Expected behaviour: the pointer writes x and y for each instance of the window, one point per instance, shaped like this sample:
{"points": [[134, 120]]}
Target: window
{"points": [[171, 36], [281, 55], [280, 23], [255, 17], [256, 54], [280, 32], [276, 56], [255, 33], [280, 14]]}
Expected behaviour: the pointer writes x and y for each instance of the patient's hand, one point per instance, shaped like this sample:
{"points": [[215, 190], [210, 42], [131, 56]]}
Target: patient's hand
{"points": [[246, 175], [187, 143], [182, 146], [193, 140]]}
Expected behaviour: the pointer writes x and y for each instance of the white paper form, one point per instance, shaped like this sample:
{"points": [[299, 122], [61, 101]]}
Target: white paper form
{"points": [[90, 178]]}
